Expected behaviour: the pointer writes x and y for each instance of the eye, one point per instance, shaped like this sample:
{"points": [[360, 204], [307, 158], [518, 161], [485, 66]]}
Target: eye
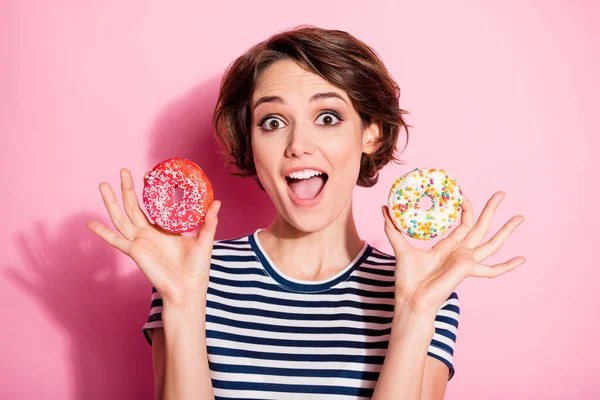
{"points": [[328, 121], [265, 119]]}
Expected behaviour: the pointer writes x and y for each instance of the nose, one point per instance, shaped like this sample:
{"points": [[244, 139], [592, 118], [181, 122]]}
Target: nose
{"points": [[300, 142]]}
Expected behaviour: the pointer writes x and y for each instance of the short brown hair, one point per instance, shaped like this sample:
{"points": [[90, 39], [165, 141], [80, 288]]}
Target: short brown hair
{"points": [[337, 57]]}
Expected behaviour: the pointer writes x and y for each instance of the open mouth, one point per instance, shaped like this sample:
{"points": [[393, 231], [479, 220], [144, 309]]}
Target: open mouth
{"points": [[306, 189]]}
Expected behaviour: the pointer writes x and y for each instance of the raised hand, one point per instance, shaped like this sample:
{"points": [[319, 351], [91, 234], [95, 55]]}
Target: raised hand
{"points": [[177, 265], [426, 278]]}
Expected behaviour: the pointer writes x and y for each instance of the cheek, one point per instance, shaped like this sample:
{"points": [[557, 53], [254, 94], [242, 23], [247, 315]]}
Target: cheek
{"points": [[264, 162], [346, 155]]}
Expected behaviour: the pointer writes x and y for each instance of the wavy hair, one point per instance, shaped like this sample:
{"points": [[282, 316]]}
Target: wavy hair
{"points": [[337, 57]]}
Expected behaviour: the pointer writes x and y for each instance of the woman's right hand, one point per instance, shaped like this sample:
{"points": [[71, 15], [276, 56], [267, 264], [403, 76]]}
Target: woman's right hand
{"points": [[178, 266]]}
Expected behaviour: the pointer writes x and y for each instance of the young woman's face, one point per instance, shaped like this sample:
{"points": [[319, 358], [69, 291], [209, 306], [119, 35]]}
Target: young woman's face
{"points": [[296, 132]]}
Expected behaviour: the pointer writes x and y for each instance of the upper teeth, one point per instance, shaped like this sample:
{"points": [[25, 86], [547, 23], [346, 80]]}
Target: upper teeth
{"points": [[304, 174]]}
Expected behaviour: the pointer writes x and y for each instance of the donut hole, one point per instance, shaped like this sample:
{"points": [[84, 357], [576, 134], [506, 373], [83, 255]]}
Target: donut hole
{"points": [[425, 203], [178, 196]]}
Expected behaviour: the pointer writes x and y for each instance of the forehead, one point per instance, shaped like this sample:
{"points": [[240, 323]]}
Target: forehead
{"points": [[288, 79]]}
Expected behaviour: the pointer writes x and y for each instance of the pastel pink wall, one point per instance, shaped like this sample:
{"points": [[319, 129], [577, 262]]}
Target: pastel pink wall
{"points": [[504, 96]]}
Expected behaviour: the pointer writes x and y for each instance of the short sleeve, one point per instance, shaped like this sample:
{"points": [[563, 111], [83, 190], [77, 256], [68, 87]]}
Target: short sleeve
{"points": [[155, 316], [446, 327]]}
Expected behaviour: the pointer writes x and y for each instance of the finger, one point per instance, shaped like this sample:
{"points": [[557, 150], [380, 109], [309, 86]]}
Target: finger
{"points": [[491, 246], [206, 235], [486, 271], [478, 232], [395, 236], [466, 221], [130, 201], [119, 219], [110, 237]]}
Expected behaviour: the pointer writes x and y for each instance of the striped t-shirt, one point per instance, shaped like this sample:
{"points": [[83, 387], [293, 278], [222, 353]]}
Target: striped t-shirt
{"points": [[270, 336]]}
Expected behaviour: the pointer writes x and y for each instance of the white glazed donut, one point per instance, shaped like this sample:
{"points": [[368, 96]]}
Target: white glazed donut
{"points": [[406, 194]]}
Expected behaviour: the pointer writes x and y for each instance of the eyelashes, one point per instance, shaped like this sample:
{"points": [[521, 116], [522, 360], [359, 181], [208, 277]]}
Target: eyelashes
{"points": [[271, 116]]}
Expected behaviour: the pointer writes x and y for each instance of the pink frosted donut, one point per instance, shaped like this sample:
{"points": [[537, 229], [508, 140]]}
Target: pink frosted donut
{"points": [[160, 186]]}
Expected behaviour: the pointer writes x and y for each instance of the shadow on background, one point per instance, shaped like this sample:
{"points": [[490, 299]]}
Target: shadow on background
{"points": [[74, 276], [184, 130]]}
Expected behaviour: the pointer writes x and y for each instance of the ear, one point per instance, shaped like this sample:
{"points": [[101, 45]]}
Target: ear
{"points": [[371, 137]]}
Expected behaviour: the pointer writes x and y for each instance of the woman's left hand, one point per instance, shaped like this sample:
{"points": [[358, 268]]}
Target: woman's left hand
{"points": [[426, 278]]}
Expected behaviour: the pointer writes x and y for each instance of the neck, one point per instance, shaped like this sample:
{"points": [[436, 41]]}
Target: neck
{"points": [[314, 255]]}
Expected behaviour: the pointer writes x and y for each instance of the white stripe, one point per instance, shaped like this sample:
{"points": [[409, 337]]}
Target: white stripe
{"points": [[294, 380], [153, 324], [349, 366], [240, 251], [293, 336], [304, 296], [448, 313], [268, 280], [155, 310], [228, 344], [297, 322], [238, 240], [298, 310], [443, 325], [375, 277], [443, 339], [252, 394], [442, 353]]}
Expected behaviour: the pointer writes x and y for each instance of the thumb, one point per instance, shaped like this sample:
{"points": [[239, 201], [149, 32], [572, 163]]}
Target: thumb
{"points": [[206, 235], [395, 236]]}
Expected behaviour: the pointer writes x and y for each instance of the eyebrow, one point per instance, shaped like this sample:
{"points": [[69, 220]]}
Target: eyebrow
{"points": [[315, 97]]}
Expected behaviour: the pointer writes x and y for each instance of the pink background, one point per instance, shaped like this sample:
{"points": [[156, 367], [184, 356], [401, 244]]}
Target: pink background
{"points": [[503, 96]]}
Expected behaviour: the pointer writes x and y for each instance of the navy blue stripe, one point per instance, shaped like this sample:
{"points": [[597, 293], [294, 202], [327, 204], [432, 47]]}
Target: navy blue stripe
{"points": [[446, 333], [451, 307], [300, 303], [286, 388], [238, 240], [305, 372], [305, 287], [147, 336], [377, 262], [323, 330], [383, 344], [276, 288], [442, 346], [236, 398], [218, 246], [155, 317], [382, 272], [293, 303], [221, 351], [380, 254], [235, 258], [297, 316], [448, 320], [372, 282], [156, 303], [238, 271]]}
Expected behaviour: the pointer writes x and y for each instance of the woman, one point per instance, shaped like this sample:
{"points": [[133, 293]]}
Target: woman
{"points": [[304, 308]]}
